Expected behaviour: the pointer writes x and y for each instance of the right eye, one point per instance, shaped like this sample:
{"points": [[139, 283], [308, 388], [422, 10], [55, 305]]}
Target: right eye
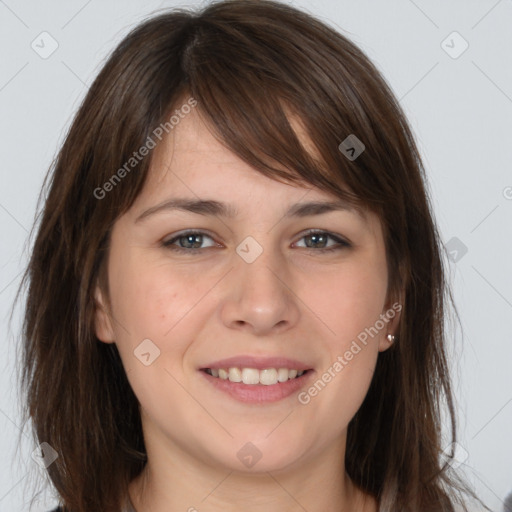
{"points": [[187, 241]]}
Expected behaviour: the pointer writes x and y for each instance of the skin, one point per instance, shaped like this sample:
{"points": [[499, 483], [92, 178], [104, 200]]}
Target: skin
{"points": [[208, 304]]}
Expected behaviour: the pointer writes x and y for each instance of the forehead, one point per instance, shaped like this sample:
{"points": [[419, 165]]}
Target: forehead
{"points": [[193, 170], [194, 135], [193, 159]]}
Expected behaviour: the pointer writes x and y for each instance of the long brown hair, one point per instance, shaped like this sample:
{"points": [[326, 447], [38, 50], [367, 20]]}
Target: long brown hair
{"points": [[249, 65]]}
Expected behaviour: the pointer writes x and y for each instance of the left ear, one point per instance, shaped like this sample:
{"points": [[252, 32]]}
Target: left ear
{"points": [[102, 320], [392, 313]]}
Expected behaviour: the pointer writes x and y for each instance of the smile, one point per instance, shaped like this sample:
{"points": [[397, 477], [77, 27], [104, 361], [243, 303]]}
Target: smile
{"points": [[254, 386], [253, 376]]}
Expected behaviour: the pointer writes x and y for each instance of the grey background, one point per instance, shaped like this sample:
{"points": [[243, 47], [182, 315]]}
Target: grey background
{"points": [[460, 110]]}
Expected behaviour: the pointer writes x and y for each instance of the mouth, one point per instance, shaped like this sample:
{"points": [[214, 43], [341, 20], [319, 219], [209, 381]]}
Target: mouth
{"points": [[253, 376], [257, 386]]}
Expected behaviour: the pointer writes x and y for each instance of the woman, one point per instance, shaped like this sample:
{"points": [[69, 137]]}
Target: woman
{"points": [[236, 296]]}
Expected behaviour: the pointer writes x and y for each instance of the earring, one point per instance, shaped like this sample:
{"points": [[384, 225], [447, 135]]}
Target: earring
{"points": [[391, 338]]}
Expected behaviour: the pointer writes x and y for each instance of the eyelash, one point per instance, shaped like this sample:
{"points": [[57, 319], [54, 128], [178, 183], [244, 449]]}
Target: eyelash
{"points": [[341, 244]]}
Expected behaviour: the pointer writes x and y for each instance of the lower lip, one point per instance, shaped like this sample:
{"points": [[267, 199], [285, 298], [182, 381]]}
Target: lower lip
{"points": [[259, 393]]}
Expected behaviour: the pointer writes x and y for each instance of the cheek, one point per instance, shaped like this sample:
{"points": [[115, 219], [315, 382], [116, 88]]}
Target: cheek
{"points": [[349, 300], [154, 300], [343, 381], [149, 299], [150, 307]]}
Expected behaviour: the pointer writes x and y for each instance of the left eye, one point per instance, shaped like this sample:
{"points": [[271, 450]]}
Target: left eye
{"points": [[191, 241], [318, 239]]}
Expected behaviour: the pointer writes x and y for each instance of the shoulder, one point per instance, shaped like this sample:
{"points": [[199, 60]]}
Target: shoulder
{"points": [[56, 509]]}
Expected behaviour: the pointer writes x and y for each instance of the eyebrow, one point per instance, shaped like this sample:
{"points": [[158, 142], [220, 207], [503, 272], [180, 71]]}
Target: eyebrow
{"points": [[219, 209]]}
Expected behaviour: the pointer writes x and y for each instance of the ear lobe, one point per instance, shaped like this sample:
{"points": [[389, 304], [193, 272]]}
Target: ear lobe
{"points": [[102, 321], [386, 343], [392, 313]]}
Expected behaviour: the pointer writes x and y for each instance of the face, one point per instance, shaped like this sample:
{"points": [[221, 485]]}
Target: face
{"points": [[249, 282]]}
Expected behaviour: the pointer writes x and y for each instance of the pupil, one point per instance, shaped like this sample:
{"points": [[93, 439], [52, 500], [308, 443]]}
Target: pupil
{"points": [[190, 238], [316, 238]]}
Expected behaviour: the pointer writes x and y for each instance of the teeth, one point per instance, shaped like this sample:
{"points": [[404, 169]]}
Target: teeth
{"points": [[235, 375], [282, 374], [251, 376], [268, 376]]}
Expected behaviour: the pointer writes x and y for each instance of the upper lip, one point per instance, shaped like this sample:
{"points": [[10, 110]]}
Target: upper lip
{"points": [[259, 363]]}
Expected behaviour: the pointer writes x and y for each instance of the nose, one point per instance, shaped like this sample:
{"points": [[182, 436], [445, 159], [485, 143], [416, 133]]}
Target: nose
{"points": [[259, 297]]}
